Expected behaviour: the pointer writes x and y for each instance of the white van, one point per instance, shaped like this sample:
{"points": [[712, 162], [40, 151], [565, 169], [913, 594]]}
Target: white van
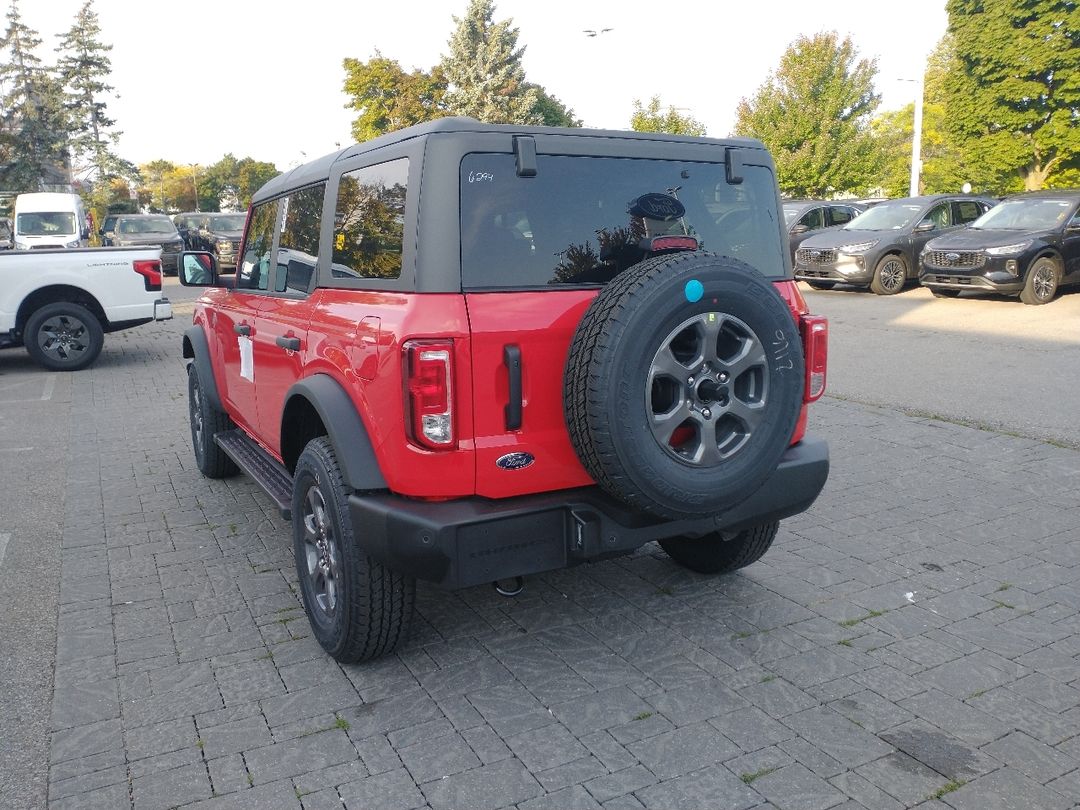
{"points": [[48, 219]]}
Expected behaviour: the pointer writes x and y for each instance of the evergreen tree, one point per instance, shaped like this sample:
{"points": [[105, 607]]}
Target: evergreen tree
{"points": [[84, 68], [484, 72], [1014, 100], [652, 119], [33, 126], [814, 116], [388, 98], [552, 112]]}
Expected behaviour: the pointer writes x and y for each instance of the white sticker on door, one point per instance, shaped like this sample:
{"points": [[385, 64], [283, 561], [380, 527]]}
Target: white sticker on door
{"points": [[247, 358]]}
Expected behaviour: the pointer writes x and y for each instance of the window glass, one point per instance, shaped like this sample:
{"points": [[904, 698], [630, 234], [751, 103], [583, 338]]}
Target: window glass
{"points": [[939, 215], [839, 214], [298, 247], [813, 219], [254, 272], [966, 211], [571, 223], [369, 221]]}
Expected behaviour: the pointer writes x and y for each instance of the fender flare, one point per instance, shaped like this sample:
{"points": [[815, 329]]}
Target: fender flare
{"points": [[345, 428], [197, 349]]}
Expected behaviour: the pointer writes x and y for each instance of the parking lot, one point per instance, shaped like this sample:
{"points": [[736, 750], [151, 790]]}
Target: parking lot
{"points": [[911, 640]]}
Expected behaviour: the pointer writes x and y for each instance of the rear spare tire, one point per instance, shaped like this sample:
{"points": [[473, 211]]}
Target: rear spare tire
{"points": [[684, 382]]}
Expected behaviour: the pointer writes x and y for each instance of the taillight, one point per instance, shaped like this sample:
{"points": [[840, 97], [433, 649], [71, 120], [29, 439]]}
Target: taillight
{"points": [[429, 388], [150, 270], [815, 337]]}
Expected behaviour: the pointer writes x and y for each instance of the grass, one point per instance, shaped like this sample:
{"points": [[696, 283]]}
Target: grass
{"points": [[872, 614], [199, 743], [742, 634], [341, 722], [642, 715], [976, 693], [947, 788], [1000, 604], [666, 590], [1004, 586], [845, 642], [749, 778], [767, 678]]}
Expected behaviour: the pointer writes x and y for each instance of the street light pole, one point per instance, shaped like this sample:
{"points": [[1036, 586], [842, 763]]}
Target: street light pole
{"points": [[195, 183], [916, 140]]}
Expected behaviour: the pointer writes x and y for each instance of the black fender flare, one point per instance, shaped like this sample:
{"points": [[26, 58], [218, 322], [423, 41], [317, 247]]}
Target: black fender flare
{"points": [[197, 349], [344, 427]]}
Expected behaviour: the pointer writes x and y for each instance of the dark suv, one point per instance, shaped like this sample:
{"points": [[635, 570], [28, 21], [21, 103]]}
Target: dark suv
{"points": [[879, 249], [1027, 245], [560, 345], [149, 229], [220, 234], [804, 217]]}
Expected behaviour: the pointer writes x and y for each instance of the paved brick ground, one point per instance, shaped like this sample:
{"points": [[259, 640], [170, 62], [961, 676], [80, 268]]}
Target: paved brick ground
{"points": [[913, 640]]}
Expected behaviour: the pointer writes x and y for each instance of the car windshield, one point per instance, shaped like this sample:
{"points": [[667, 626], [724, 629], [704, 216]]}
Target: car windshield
{"points": [[46, 223], [1025, 215], [155, 225], [581, 220], [885, 217], [233, 222]]}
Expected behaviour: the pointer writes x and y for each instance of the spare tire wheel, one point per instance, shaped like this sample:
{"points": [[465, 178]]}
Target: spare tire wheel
{"points": [[684, 383]]}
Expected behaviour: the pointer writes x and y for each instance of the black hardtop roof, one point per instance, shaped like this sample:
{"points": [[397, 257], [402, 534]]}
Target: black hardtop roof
{"points": [[319, 169]]}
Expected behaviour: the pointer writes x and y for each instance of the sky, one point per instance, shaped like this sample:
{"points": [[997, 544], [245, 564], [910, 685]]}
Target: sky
{"points": [[199, 79]]}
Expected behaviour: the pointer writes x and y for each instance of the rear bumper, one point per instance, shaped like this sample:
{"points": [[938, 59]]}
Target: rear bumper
{"points": [[162, 309], [471, 541]]}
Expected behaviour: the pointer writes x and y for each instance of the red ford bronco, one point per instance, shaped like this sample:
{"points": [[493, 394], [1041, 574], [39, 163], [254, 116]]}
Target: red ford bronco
{"points": [[465, 353]]}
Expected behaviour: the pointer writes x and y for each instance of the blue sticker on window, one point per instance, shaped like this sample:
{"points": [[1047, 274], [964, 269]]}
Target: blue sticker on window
{"points": [[694, 290]]}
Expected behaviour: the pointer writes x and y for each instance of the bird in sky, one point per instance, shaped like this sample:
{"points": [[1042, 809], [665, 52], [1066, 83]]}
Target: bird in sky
{"points": [[592, 32]]}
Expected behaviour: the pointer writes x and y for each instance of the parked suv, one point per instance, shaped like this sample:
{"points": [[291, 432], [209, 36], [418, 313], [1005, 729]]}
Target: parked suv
{"points": [[879, 249], [1027, 245], [220, 234], [561, 345], [187, 225], [132, 230], [804, 217]]}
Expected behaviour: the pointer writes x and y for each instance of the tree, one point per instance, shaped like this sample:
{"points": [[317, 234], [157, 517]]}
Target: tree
{"points": [[1015, 100], [484, 72], [814, 115], [651, 119], [33, 126], [388, 98], [552, 112], [84, 68]]}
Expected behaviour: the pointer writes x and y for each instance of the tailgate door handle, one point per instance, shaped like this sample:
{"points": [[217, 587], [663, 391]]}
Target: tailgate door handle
{"points": [[512, 361], [241, 329], [291, 344]]}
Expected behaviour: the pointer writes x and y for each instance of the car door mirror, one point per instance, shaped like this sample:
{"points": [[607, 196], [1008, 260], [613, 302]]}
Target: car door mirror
{"points": [[800, 228], [198, 269], [924, 226]]}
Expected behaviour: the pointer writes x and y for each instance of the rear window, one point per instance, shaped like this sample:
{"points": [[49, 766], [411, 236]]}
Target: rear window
{"points": [[570, 224]]}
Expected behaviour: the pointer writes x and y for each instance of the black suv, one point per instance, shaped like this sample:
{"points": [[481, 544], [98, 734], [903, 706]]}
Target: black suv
{"points": [[1027, 245], [879, 248], [149, 229], [804, 217], [220, 234]]}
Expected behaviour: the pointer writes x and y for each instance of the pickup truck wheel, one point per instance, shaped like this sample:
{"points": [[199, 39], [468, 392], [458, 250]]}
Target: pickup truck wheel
{"points": [[206, 422], [890, 275], [358, 609], [63, 336], [684, 382], [719, 553], [1042, 282]]}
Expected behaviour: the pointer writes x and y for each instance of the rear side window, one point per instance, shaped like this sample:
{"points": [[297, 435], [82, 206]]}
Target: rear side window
{"points": [[967, 211], [369, 221], [840, 214], [254, 271], [813, 219], [570, 224], [298, 247]]}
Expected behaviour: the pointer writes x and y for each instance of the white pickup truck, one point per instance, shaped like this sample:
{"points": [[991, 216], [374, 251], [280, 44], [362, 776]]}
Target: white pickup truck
{"points": [[60, 303]]}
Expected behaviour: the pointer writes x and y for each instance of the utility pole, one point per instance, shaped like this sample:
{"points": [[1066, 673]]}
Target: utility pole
{"points": [[916, 140], [195, 182]]}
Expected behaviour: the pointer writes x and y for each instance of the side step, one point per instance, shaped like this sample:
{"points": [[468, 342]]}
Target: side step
{"points": [[261, 466]]}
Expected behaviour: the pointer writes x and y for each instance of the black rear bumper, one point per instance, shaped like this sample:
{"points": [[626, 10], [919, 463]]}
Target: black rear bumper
{"points": [[471, 541]]}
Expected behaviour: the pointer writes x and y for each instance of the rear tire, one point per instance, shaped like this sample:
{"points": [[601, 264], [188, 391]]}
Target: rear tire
{"points": [[206, 422], [64, 336], [713, 554], [1042, 282], [890, 275], [358, 609]]}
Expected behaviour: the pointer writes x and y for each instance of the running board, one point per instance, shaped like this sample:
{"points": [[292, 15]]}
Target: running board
{"points": [[267, 471]]}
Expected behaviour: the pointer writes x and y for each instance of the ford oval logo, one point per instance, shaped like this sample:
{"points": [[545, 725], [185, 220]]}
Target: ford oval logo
{"points": [[952, 258], [515, 461], [663, 207]]}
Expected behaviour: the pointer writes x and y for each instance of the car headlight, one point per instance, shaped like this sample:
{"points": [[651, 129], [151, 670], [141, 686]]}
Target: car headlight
{"points": [[857, 247], [1008, 250], [123, 243], [225, 247], [22, 246]]}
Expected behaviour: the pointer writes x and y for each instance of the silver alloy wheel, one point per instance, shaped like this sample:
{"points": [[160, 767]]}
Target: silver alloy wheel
{"points": [[707, 389], [321, 552], [892, 274], [197, 416], [65, 338], [1043, 283]]}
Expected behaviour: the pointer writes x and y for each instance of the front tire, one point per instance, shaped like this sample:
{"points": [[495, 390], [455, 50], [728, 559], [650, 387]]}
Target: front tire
{"points": [[1042, 282], [890, 275], [713, 554], [358, 609], [64, 336]]}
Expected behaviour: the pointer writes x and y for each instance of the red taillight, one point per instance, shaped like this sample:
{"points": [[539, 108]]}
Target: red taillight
{"points": [[150, 270], [428, 385], [815, 336], [662, 243]]}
